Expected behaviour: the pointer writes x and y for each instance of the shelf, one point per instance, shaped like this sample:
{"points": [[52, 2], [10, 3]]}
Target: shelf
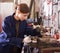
{"points": [[55, 3]]}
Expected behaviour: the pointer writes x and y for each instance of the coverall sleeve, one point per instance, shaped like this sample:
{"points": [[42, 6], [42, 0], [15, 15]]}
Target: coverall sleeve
{"points": [[32, 32], [6, 27]]}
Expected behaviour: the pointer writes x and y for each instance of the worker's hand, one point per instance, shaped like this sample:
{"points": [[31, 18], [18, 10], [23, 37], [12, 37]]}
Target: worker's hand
{"points": [[27, 39], [35, 26]]}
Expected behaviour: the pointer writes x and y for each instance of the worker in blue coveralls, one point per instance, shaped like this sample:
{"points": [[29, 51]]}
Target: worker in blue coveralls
{"points": [[15, 26]]}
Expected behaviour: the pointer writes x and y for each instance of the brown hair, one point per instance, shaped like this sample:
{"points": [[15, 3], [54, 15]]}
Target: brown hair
{"points": [[23, 8], [0, 23]]}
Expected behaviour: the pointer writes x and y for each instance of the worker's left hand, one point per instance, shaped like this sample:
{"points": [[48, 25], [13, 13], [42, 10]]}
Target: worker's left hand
{"points": [[27, 39], [35, 26]]}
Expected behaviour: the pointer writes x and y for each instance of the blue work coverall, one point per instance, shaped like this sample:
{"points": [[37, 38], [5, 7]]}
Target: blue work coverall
{"points": [[9, 27]]}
